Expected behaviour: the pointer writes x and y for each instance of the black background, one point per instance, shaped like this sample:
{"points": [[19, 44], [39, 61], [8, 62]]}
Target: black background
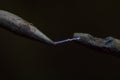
{"points": [[24, 59]]}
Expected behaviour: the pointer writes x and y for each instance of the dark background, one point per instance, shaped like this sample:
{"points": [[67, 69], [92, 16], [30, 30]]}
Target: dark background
{"points": [[25, 59]]}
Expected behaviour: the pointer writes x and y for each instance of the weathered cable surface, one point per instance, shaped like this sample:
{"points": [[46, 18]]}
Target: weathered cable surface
{"points": [[18, 25], [108, 43]]}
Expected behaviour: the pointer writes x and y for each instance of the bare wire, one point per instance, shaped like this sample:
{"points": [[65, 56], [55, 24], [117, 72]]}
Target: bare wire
{"points": [[66, 40]]}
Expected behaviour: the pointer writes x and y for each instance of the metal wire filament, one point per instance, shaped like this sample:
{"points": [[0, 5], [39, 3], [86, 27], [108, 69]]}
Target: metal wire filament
{"points": [[66, 40]]}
